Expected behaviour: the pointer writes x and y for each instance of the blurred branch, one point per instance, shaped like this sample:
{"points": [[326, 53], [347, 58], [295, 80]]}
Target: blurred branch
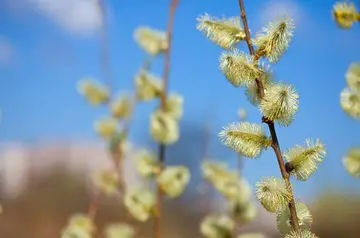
{"points": [[173, 6], [104, 54]]}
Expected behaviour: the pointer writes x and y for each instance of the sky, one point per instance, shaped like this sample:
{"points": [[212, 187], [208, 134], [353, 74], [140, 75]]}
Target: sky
{"points": [[47, 46]]}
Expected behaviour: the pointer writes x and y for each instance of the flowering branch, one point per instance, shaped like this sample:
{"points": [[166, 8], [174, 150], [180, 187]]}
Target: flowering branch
{"points": [[163, 95], [270, 123]]}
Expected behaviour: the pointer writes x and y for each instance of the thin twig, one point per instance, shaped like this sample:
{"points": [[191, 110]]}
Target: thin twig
{"points": [[105, 55], [275, 142], [173, 6]]}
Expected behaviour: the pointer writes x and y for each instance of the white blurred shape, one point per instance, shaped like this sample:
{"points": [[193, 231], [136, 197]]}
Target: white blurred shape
{"points": [[6, 51], [13, 168], [80, 17]]}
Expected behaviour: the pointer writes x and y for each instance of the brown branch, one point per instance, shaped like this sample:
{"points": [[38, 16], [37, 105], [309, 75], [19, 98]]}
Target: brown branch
{"points": [[173, 6], [275, 142], [104, 43], [117, 153]]}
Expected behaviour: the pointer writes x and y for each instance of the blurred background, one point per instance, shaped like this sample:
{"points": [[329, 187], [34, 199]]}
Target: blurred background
{"points": [[48, 147]]}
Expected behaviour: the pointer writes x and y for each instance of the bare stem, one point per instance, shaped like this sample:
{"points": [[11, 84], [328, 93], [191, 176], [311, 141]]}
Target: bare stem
{"points": [[104, 55], [173, 6], [275, 142]]}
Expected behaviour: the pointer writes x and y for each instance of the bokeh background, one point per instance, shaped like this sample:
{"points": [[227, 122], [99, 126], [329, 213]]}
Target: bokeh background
{"points": [[48, 147]]}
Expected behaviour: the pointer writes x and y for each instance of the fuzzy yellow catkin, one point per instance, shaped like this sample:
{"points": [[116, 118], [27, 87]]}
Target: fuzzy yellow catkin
{"points": [[74, 231], [226, 32], [345, 14], [214, 170], [121, 107], [252, 90], [106, 181], [173, 180], [305, 159], [274, 39], [243, 211], [106, 127], [246, 138], [95, 93], [119, 230], [174, 105], [351, 161], [303, 214], [272, 194], [146, 163], [350, 102], [217, 226], [79, 225], [251, 235], [83, 221], [238, 68], [153, 41], [301, 234], [353, 76], [140, 203], [234, 188], [148, 86], [280, 103], [164, 128]]}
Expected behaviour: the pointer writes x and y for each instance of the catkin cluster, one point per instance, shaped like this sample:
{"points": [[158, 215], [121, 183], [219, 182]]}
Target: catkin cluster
{"points": [[350, 103], [112, 130], [277, 101], [345, 15], [164, 128], [237, 192]]}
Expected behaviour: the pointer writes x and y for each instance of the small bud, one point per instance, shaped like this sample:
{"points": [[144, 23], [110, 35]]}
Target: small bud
{"points": [[252, 90]]}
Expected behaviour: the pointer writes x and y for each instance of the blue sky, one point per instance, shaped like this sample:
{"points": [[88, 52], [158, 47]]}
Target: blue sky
{"points": [[39, 100]]}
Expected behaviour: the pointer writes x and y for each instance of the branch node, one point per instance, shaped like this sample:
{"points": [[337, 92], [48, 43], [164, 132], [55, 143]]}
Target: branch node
{"points": [[289, 167]]}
